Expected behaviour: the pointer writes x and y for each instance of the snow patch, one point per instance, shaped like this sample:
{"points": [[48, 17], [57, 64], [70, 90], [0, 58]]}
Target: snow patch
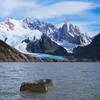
{"points": [[15, 36]]}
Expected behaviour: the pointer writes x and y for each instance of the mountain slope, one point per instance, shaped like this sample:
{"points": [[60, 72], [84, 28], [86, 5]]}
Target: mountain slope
{"points": [[13, 33], [9, 54], [91, 51]]}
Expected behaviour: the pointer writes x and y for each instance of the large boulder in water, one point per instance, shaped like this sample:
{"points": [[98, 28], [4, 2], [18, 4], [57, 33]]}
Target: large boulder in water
{"points": [[39, 86]]}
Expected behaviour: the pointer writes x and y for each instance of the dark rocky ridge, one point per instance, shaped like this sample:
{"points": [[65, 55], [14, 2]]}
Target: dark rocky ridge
{"points": [[47, 46], [91, 51]]}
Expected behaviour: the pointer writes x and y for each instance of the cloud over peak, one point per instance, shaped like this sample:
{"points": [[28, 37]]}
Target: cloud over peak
{"points": [[60, 9], [33, 9]]}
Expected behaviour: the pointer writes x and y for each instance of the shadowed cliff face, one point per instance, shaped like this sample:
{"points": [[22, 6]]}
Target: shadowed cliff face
{"points": [[91, 51], [9, 54], [46, 45]]}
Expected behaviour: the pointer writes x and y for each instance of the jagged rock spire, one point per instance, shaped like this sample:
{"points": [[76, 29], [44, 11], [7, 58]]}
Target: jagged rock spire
{"points": [[67, 24]]}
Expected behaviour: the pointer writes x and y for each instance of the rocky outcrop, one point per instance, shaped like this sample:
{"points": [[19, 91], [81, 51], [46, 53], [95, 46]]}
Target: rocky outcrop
{"points": [[47, 46], [72, 34], [91, 51], [39, 86], [9, 54]]}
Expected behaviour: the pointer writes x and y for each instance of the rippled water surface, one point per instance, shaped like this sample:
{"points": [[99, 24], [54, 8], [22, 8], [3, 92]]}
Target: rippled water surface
{"points": [[72, 81]]}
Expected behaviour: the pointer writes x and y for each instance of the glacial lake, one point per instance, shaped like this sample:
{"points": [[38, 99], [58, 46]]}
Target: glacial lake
{"points": [[72, 81]]}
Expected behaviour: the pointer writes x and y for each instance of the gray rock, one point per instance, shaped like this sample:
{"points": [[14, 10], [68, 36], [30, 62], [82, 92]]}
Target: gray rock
{"points": [[39, 86]]}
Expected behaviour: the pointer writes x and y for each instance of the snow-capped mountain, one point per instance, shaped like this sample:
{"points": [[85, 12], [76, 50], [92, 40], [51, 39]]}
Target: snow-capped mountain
{"points": [[22, 33], [68, 32], [13, 32], [20, 36], [72, 34], [68, 36]]}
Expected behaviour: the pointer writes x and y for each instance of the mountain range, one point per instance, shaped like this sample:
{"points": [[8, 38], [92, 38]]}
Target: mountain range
{"points": [[34, 36]]}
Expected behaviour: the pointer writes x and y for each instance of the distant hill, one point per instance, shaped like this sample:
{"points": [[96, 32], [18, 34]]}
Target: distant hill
{"points": [[91, 51]]}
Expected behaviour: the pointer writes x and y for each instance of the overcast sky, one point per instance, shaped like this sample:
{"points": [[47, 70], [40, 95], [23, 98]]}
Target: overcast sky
{"points": [[83, 13]]}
